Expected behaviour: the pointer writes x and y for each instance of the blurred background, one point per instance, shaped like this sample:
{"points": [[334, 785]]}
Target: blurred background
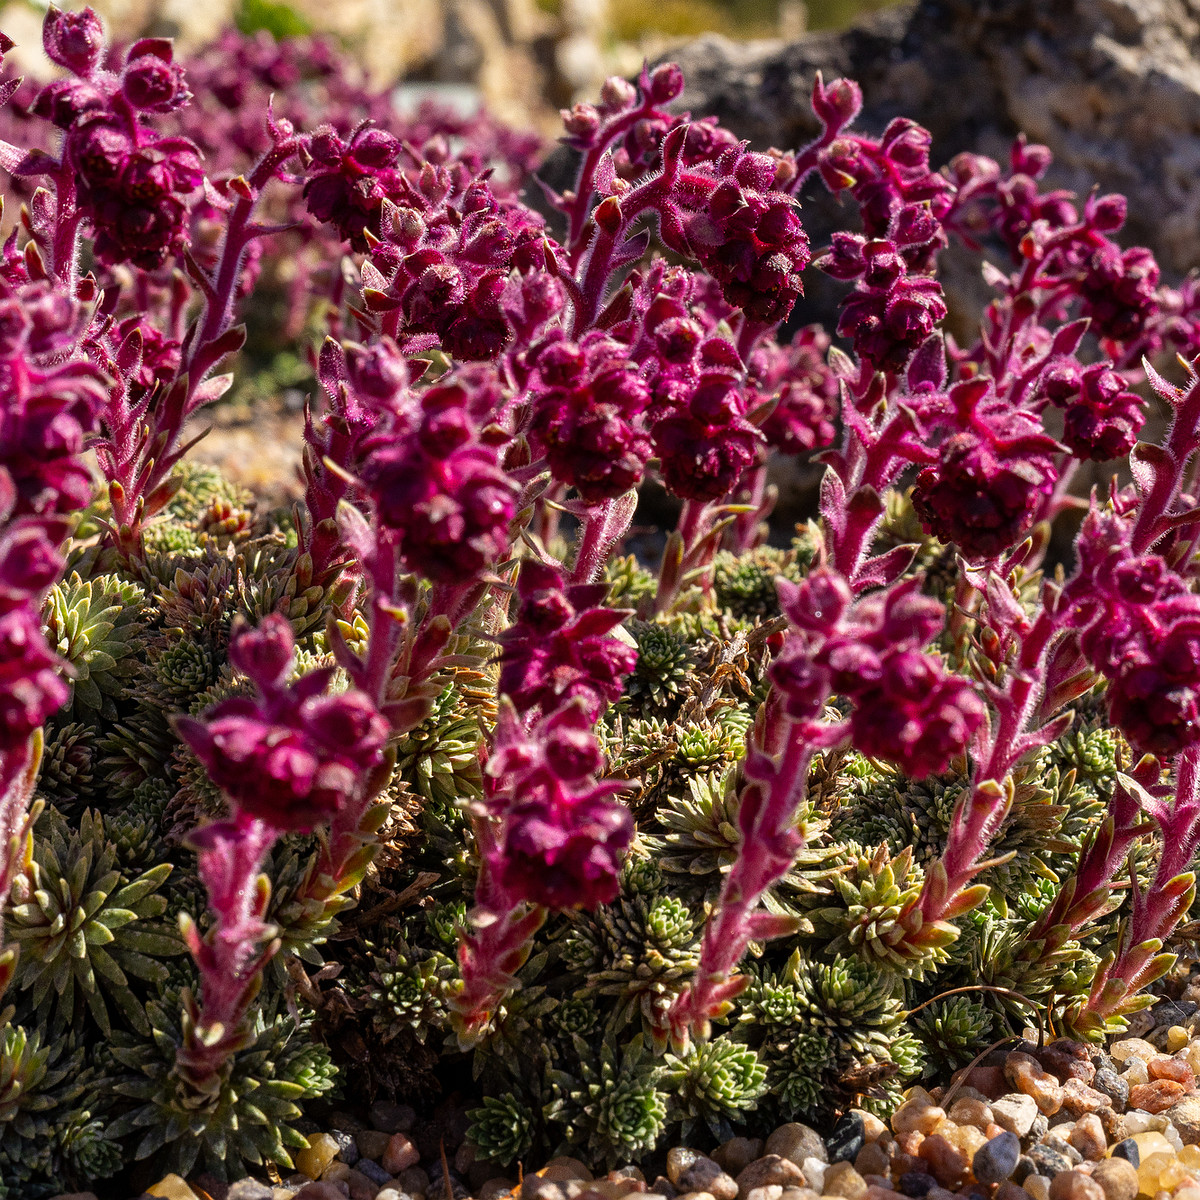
{"points": [[524, 58]]}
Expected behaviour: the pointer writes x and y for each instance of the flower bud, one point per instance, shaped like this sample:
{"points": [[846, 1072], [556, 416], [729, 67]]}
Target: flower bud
{"points": [[666, 83], [74, 40]]}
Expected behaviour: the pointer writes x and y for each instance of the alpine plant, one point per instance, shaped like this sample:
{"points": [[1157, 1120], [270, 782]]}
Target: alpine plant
{"points": [[445, 760]]}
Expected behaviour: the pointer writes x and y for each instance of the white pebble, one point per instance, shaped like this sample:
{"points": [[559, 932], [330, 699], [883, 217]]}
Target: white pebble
{"points": [[1172, 1136], [814, 1173], [1137, 1072], [1138, 1121]]}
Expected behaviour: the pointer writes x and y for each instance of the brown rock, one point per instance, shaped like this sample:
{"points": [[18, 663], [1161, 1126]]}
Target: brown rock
{"points": [[1088, 1137], [1078, 1098], [1172, 1068], [1118, 1178], [1067, 1060], [400, 1154], [1075, 1185], [947, 1163], [372, 1143], [1025, 1073], [872, 1159], [738, 1153], [1156, 1097], [796, 1142], [320, 1191], [771, 1168], [843, 1180], [704, 1175], [361, 1186]]}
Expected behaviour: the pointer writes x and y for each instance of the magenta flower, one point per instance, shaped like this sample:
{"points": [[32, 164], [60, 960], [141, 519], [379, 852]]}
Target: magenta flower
{"points": [[292, 756], [907, 709], [588, 416], [350, 179], [559, 650], [562, 836], [1102, 417], [993, 476]]}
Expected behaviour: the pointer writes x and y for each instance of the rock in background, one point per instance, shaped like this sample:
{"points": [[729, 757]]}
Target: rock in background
{"points": [[1111, 86]]}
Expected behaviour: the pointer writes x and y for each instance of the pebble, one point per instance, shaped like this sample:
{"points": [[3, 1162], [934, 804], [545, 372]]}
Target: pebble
{"points": [[738, 1153], [371, 1143], [771, 1168], [320, 1191], [872, 1159], [1088, 1137], [1118, 1178], [1068, 1060], [1109, 1083], [1128, 1150], [1079, 1098], [172, 1187], [916, 1183], [321, 1150], [1048, 1161], [400, 1154], [1075, 1185], [1015, 1112], [373, 1171], [1185, 1116], [1026, 1074], [704, 1175], [1130, 1048], [1038, 1186], [846, 1138], [1172, 1068], [841, 1179], [814, 1172], [996, 1159], [798, 1142], [244, 1189], [1156, 1097]]}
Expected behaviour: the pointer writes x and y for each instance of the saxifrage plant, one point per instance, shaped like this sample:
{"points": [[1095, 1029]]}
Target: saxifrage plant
{"points": [[743, 809]]}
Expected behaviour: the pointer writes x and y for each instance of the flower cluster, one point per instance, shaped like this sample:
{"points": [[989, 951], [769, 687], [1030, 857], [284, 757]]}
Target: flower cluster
{"points": [[907, 709], [294, 753], [892, 311], [1101, 416], [699, 396], [1140, 628], [746, 234], [589, 415], [449, 244], [562, 837], [559, 649], [133, 184], [434, 478], [994, 475]]}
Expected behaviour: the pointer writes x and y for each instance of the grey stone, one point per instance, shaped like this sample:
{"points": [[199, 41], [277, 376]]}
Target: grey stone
{"points": [[1109, 1083], [996, 1159], [373, 1171], [796, 1142], [1049, 1161], [1185, 1116], [249, 1189]]}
